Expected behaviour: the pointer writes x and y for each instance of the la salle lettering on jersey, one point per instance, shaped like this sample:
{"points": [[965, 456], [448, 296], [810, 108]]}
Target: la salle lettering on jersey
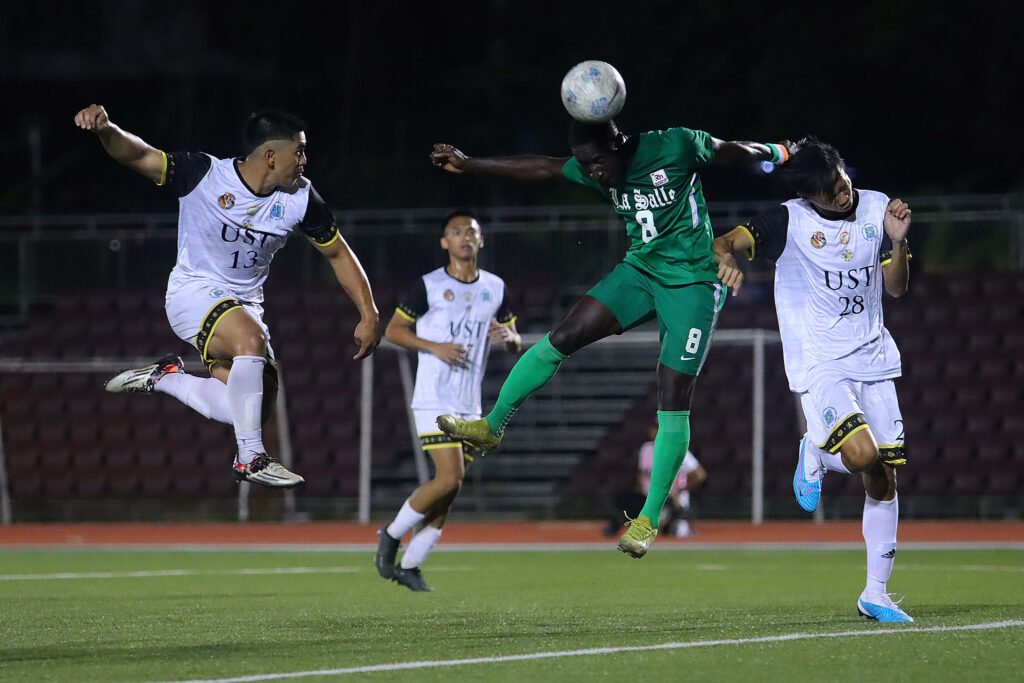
{"points": [[658, 199], [852, 277]]}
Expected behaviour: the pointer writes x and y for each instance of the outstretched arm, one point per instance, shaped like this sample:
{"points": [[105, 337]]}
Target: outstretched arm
{"points": [[353, 280], [896, 271], [125, 148], [732, 153], [737, 239], [521, 167]]}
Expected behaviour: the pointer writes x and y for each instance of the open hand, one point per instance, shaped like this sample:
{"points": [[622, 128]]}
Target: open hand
{"points": [[452, 354], [729, 272]]}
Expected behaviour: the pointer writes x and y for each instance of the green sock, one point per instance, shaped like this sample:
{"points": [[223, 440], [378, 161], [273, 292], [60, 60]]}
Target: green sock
{"points": [[538, 365], [669, 450]]}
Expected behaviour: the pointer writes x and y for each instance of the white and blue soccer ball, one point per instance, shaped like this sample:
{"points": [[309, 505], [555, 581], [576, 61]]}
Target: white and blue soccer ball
{"points": [[593, 92]]}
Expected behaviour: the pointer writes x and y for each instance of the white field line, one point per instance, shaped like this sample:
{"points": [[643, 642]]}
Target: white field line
{"points": [[596, 546], [433, 664], [158, 573]]}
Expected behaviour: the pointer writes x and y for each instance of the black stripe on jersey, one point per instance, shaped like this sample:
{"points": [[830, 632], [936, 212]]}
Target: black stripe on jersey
{"points": [[318, 224], [209, 323], [892, 455], [769, 230], [841, 433], [185, 170], [504, 314], [414, 303]]}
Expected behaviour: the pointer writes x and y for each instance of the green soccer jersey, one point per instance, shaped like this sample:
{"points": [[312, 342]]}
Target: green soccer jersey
{"points": [[661, 200]]}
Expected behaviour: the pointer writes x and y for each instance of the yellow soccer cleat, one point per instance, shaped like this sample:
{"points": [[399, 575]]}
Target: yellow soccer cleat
{"points": [[477, 433], [638, 538]]}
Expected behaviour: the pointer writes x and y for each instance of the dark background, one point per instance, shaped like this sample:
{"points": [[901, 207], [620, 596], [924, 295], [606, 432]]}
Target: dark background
{"points": [[919, 100]]}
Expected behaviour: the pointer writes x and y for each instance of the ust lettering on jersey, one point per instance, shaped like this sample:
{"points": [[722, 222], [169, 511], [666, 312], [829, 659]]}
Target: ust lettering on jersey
{"points": [[229, 233], [447, 310], [828, 287]]}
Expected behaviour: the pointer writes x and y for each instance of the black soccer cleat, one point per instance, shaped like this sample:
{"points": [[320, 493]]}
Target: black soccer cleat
{"points": [[411, 579], [387, 549]]}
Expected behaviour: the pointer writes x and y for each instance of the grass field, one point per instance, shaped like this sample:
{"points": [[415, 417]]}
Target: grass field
{"points": [[171, 616]]}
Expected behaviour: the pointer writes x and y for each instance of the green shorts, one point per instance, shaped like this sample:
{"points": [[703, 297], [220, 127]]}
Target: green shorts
{"points": [[687, 314]]}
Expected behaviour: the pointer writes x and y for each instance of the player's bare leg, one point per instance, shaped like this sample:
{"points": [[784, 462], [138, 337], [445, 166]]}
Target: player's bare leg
{"points": [[427, 507], [675, 391], [587, 322], [240, 340]]}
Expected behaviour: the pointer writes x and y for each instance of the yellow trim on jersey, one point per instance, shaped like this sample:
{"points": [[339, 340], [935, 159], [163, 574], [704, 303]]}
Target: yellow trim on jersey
{"points": [[889, 260], [511, 321], [213, 327], [337, 236], [405, 315], [835, 449], [163, 171], [439, 446], [753, 243]]}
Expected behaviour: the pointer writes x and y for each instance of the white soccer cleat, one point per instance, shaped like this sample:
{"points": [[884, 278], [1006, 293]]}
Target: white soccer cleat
{"points": [[880, 607], [143, 380], [807, 478], [266, 471]]}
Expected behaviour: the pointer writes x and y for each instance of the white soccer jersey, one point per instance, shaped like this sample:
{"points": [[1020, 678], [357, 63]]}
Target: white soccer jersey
{"points": [[828, 288], [448, 310], [227, 233]]}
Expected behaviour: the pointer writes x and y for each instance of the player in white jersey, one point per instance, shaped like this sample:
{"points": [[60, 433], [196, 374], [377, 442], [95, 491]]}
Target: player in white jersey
{"points": [[450, 317], [234, 214], [835, 249]]}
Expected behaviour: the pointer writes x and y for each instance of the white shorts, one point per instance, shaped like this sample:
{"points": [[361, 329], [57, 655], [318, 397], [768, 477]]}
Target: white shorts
{"points": [[195, 307], [432, 438], [837, 408]]}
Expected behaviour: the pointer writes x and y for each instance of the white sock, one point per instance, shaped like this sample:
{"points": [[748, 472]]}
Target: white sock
{"points": [[406, 519], [880, 520], [420, 546], [206, 396], [245, 398], [831, 461]]}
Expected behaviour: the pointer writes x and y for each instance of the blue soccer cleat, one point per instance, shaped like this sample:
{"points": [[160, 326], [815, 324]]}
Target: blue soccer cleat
{"points": [[880, 607], [807, 486]]}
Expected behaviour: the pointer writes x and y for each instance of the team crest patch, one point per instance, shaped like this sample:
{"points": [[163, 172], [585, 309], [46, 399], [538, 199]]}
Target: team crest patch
{"points": [[216, 293], [829, 416], [844, 237], [486, 296], [277, 211], [870, 231], [659, 177], [449, 295], [251, 211], [847, 254], [818, 240], [226, 200]]}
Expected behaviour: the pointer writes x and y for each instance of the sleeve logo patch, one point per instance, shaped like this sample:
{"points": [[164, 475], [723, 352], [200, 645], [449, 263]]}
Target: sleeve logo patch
{"points": [[870, 231]]}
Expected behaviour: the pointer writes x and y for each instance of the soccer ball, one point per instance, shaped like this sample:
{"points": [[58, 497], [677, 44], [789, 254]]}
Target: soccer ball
{"points": [[593, 92]]}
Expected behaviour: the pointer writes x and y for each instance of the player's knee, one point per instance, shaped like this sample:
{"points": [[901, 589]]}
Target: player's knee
{"points": [[859, 456], [450, 484], [565, 338], [251, 344]]}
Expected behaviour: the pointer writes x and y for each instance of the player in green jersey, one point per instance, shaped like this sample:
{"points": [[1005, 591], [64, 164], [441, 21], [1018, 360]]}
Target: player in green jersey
{"points": [[668, 273]]}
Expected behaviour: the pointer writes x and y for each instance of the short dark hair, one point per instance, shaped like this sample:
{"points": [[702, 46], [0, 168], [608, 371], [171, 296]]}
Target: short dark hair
{"points": [[456, 213], [269, 124], [602, 135], [812, 170]]}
